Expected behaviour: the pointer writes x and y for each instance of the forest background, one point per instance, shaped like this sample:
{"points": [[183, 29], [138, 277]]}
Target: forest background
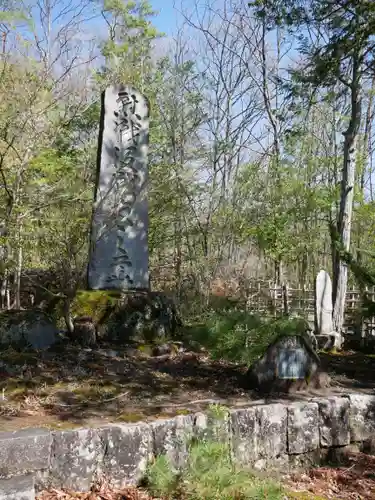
{"points": [[261, 141]]}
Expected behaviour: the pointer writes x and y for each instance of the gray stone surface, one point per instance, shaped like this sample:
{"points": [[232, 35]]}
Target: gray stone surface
{"points": [[172, 437], [276, 464], [212, 427], [259, 435], [264, 436], [362, 417], [244, 427], [128, 450], [17, 488], [303, 428], [27, 329], [334, 423], [323, 303], [75, 458], [272, 434], [26, 450], [306, 461], [287, 365], [119, 248], [144, 317]]}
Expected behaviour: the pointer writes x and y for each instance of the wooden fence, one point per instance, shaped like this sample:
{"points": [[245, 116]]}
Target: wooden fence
{"points": [[284, 299]]}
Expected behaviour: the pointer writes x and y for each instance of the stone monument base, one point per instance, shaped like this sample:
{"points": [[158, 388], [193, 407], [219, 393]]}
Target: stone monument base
{"points": [[289, 364], [318, 381], [124, 318]]}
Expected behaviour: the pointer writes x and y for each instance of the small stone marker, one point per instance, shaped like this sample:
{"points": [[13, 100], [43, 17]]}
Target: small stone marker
{"points": [[326, 337], [324, 307], [290, 363], [119, 248]]}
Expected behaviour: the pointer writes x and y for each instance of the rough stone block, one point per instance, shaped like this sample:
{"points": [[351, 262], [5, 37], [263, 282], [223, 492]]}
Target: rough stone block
{"points": [[305, 461], [277, 464], [285, 366], [171, 437], [362, 417], [27, 328], [244, 426], [26, 450], [210, 427], [334, 422], [272, 433], [17, 488], [303, 428], [75, 459], [128, 450]]}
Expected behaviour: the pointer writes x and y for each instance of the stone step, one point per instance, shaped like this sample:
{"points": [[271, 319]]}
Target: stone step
{"points": [[17, 488]]}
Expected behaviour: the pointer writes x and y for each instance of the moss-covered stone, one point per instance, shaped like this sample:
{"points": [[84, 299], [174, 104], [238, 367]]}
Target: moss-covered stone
{"points": [[29, 328], [134, 316], [94, 303]]}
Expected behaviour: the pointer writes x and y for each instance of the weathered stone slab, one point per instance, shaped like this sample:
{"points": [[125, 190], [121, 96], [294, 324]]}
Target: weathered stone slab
{"points": [[26, 450], [334, 423], [172, 438], [272, 437], [119, 249], [303, 428], [245, 428], [17, 488], [212, 427], [75, 459], [128, 450], [289, 364], [276, 464], [362, 417], [27, 329], [306, 461], [324, 307]]}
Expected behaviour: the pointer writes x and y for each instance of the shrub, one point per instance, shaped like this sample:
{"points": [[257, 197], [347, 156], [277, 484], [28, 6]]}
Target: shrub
{"points": [[209, 474], [240, 336]]}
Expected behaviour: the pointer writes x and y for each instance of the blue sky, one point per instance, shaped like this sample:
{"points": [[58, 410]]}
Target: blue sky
{"points": [[167, 18]]}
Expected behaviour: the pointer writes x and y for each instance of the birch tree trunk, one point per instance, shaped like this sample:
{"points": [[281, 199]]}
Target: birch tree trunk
{"points": [[347, 197]]}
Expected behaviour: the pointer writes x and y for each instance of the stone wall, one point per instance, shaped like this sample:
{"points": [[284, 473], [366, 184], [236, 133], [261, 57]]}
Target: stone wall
{"points": [[281, 435]]}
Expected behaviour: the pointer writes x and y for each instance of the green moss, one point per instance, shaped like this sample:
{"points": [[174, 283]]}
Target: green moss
{"points": [[183, 411], [94, 303], [145, 349], [130, 417]]}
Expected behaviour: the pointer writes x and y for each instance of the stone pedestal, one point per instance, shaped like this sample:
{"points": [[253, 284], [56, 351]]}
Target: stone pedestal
{"points": [[290, 364]]}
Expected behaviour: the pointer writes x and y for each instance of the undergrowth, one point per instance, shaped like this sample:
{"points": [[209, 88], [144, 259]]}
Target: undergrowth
{"points": [[240, 336], [209, 474]]}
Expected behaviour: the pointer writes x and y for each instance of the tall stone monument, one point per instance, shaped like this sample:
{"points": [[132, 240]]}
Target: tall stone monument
{"points": [[324, 307], [119, 249]]}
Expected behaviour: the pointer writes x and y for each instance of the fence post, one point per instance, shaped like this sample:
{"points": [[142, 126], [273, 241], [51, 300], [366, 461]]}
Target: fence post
{"points": [[285, 299]]}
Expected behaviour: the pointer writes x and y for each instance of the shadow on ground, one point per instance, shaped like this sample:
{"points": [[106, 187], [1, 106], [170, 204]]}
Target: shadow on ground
{"points": [[76, 385], [351, 370]]}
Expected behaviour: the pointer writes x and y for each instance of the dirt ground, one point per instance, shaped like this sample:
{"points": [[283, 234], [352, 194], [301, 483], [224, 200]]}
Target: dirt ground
{"points": [[76, 387], [353, 480], [71, 386]]}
